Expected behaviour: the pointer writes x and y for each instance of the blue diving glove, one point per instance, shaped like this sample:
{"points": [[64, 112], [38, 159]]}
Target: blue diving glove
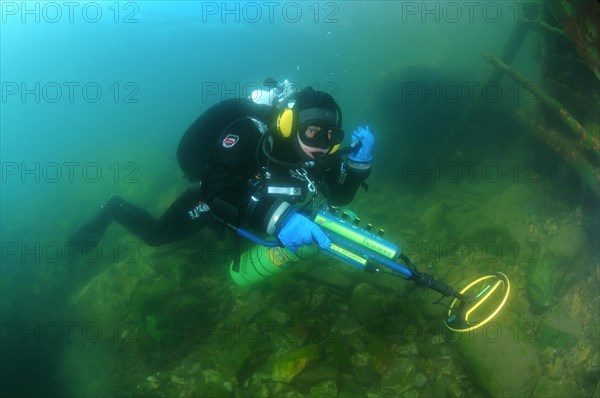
{"points": [[366, 138], [297, 231]]}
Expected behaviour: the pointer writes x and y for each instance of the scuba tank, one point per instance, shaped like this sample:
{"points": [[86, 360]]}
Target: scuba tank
{"points": [[259, 262], [278, 95]]}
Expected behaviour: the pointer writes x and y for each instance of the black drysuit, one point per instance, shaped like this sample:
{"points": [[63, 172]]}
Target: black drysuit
{"points": [[218, 154]]}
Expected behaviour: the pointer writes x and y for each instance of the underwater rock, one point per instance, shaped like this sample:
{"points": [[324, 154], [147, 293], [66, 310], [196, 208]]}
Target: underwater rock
{"points": [[163, 321], [348, 325], [212, 376], [550, 337], [317, 374], [148, 389], [439, 388], [291, 364], [362, 371], [399, 378], [255, 387], [436, 214], [192, 376], [542, 279], [178, 380], [293, 394], [361, 359], [247, 306], [319, 298], [330, 276], [364, 377], [107, 296], [381, 357], [326, 389], [495, 357], [236, 355], [565, 237], [367, 303], [427, 349], [556, 388], [340, 353]]}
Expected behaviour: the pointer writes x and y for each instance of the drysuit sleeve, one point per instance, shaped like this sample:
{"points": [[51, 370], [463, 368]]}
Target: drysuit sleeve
{"points": [[342, 180]]}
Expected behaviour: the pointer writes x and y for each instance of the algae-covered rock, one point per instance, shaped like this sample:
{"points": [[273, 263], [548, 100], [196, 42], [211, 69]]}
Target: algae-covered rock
{"points": [[236, 355], [556, 388], [163, 322], [427, 349], [367, 303], [332, 276], [542, 280], [362, 371], [216, 384], [596, 393], [291, 364], [340, 353], [192, 377], [500, 363], [399, 377], [255, 388], [326, 389], [565, 237], [550, 337], [316, 374], [107, 296], [381, 357]]}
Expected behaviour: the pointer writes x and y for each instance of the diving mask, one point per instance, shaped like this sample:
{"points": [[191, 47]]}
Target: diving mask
{"points": [[316, 134], [319, 128]]}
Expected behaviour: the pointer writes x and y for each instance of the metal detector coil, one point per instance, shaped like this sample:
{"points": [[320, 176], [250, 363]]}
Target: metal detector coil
{"points": [[482, 300]]}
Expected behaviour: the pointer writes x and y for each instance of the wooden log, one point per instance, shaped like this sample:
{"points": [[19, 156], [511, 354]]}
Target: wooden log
{"points": [[580, 20], [543, 27], [586, 106], [587, 140], [510, 49], [590, 173]]}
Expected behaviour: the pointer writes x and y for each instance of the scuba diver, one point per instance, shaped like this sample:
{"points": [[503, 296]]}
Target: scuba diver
{"points": [[256, 165], [251, 162]]}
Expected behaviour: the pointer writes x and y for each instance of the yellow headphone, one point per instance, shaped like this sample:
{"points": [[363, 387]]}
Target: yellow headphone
{"points": [[334, 149], [285, 123]]}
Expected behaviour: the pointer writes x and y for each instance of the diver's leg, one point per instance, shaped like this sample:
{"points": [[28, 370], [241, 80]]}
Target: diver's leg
{"points": [[91, 232], [187, 215], [184, 217], [133, 218]]}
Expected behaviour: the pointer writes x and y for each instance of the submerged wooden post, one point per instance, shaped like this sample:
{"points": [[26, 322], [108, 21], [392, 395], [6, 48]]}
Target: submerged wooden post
{"points": [[580, 20], [589, 172], [586, 140]]}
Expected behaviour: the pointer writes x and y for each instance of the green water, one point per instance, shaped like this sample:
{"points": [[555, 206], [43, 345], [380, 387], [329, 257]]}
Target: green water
{"points": [[132, 320]]}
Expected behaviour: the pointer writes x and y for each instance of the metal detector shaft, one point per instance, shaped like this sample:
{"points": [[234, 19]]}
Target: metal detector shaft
{"points": [[364, 250], [359, 247]]}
